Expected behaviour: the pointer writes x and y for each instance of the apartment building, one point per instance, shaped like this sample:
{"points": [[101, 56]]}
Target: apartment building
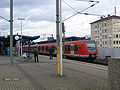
{"points": [[106, 31]]}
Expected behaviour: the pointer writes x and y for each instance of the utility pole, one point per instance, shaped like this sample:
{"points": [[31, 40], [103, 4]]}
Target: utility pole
{"points": [[61, 52], [59, 37], [11, 32]]}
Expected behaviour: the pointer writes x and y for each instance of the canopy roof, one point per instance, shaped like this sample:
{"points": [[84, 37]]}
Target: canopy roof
{"points": [[72, 38], [27, 37], [2, 38]]}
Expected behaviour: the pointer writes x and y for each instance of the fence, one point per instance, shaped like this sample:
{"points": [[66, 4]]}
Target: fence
{"points": [[113, 52]]}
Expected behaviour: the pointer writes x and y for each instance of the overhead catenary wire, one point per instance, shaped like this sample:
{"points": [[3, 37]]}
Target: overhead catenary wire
{"points": [[80, 12], [69, 5], [73, 25], [4, 18]]}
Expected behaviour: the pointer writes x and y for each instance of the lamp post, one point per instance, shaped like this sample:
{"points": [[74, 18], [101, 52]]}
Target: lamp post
{"points": [[21, 34]]}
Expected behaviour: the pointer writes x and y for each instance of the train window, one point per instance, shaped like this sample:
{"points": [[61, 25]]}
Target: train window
{"points": [[65, 48], [53, 48], [46, 48], [72, 48], [38, 48], [68, 48], [42, 47], [76, 48], [90, 44]]}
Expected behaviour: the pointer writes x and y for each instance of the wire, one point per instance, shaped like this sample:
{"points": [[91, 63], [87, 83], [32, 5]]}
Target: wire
{"points": [[69, 6], [89, 7], [88, 1], [80, 12], [70, 16], [91, 14], [4, 18]]}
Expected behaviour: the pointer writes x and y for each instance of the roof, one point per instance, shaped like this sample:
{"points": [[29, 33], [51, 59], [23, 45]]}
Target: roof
{"points": [[23, 37], [2, 37], [106, 18], [72, 38], [27, 37]]}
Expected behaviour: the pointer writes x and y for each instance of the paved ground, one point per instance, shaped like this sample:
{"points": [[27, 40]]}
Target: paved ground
{"points": [[42, 75]]}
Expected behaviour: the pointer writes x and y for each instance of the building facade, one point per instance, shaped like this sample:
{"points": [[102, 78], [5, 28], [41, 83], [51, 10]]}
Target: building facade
{"points": [[106, 31]]}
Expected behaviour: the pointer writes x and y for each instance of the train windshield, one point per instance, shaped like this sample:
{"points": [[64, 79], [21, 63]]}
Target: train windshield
{"points": [[91, 45]]}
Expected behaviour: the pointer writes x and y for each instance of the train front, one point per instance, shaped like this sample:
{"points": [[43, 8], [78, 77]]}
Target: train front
{"points": [[92, 49]]}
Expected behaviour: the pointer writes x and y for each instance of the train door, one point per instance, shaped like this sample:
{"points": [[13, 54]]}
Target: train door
{"points": [[76, 49], [42, 48], [72, 49], [38, 48], [67, 49]]}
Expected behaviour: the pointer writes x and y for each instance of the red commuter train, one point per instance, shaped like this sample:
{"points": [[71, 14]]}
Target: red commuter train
{"points": [[80, 48]]}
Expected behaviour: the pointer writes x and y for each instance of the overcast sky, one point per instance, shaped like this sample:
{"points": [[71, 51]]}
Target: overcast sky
{"points": [[40, 16]]}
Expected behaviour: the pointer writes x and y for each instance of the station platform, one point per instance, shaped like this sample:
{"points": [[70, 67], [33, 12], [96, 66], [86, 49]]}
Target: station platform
{"points": [[43, 75]]}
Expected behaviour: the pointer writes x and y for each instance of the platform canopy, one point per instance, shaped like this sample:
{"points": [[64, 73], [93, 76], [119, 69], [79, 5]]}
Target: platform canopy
{"points": [[3, 38]]}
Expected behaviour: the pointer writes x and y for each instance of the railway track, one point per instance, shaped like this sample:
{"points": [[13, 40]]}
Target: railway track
{"points": [[97, 61]]}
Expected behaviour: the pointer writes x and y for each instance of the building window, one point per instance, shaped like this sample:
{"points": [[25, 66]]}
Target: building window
{"points": [[105, 24], [98, 26], [105, 42], [114, 42], [95, 26], [116, 36], [105, 30], [102, 25]]}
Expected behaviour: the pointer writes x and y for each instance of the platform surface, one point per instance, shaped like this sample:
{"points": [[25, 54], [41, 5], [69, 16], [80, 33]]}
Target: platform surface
{"points": [[43, 75]]}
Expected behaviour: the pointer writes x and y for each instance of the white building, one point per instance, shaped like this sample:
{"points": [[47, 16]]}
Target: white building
{"points": [[106, 31]]}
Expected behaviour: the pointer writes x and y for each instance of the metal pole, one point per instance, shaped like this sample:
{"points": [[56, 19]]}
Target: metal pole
{"points": [[61, 66], [11, 32], [21, 39], [115, 10], [58, 37]]}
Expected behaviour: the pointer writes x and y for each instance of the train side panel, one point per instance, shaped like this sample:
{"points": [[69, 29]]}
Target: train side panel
{"points": [[81, 48]]}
